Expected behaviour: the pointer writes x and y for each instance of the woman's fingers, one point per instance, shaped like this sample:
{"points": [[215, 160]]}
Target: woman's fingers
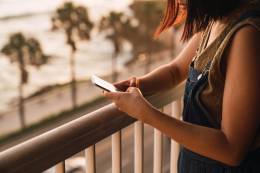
{"points": [[131, 89], [109, 95], [124, 82], [113, 95], [122, 85], [133, 82]]}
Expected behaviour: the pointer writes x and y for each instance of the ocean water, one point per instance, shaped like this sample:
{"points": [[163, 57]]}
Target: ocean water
{"points": [[32, 17]]}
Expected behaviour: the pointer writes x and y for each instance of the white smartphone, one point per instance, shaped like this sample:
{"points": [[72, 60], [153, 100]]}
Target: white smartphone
{"points": [[103, 84]]}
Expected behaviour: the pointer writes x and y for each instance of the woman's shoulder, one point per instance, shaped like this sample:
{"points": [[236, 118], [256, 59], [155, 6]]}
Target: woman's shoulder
{"points": [[243, 20], [244, 45], [242, 34], [247, 25], [246, 40]]}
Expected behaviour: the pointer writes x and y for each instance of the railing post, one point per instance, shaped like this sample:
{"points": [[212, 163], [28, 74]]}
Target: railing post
{"points": [[90, 159], [60, 167], [157, 151], [138, 147], [176, 113], [116, 153]]}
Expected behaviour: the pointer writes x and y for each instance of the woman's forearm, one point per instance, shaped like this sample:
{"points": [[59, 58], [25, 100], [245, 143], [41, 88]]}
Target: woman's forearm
{"points": [[171, 74], [206, 141], [152, 82]]}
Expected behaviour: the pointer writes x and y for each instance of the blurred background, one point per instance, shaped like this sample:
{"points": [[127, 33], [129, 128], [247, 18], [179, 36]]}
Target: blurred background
{"points": [[50, 48]]}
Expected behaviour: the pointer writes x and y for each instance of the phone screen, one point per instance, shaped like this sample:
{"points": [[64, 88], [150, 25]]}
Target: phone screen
{"points": [[103, 84]]}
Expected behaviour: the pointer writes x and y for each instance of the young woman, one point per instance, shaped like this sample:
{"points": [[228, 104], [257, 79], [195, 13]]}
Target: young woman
{"points": [[220, 131]]}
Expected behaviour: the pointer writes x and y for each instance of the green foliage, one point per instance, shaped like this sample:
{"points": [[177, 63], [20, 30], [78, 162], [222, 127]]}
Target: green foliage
{"points": [[115, 25], [138, 29], [74, 20], [24, 51], [35, 52], [148, 15]]}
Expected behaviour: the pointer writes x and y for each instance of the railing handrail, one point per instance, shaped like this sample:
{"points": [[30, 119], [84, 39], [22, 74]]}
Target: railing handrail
{"points": [[48, 149]]}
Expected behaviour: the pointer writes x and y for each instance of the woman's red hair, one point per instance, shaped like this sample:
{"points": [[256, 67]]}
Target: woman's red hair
{"points": [[197, 14], [174, 15]]}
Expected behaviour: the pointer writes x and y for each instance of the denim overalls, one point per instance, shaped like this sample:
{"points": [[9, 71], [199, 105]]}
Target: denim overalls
{"points": [[195, 113]]}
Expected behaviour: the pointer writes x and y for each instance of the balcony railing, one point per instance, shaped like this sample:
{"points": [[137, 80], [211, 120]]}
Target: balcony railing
{"points": [[54, 147]]}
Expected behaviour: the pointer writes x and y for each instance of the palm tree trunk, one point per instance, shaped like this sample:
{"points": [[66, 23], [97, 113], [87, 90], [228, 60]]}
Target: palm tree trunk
{"points": [[21, 105], [114, 67], [149, 54], [148, 62], [73, 80]]}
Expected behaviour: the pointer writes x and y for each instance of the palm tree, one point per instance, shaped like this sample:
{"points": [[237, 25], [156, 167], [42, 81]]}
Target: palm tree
{"points": [[24, 51], [75, 22], [148, 14], [115, 26]]}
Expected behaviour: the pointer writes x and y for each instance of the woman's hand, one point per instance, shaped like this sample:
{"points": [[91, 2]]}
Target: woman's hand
{"points": [[131, 102], [124, 85]]}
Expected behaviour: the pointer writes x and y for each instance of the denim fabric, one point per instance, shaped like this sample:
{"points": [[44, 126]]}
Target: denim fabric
{"points": [[195, 113], [190, 162]]}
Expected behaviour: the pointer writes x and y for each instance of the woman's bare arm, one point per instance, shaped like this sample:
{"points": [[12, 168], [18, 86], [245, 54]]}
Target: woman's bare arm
{"points": [[241, 110], [170, 74]]}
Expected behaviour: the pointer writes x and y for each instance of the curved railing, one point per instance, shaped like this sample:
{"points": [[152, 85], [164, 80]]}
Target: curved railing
{"points": [[53, 147]]}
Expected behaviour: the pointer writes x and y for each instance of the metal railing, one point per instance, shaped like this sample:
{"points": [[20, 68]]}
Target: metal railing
{"points": [[54, 147]]}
